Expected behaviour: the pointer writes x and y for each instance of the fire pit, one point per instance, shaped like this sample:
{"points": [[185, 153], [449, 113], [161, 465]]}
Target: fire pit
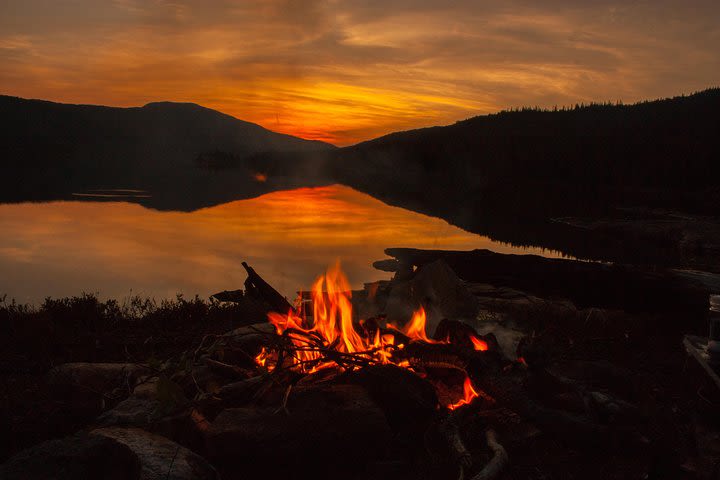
{"points": [[452, 395], [423, 376]]}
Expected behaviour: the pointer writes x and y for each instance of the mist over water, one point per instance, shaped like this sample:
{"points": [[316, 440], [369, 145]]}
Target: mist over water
{"points": [[119, 249]]}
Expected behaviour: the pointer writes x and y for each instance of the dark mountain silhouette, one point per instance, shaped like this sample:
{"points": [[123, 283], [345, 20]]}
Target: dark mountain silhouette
{"points": [[505, 175], [539, 163], [508, 174], [51, 149]]}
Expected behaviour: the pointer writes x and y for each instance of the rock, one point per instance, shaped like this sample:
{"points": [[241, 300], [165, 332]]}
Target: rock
{"points": [[159, 458], [489, 295], [134, 410], [239, 393], [80, 456], [151, 400], [587, 284], [87, 389], [241, 346], [332, 428], [507, 336], [158, 406], [435, 287], [408, 401], [389, 265], [200, 380], [98, 377], [181, 423], [147, 388]]}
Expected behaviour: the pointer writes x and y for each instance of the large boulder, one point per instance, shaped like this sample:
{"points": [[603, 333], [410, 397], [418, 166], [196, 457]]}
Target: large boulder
{"points": [[87, 389], [160, 458], [97, 377], [408, 401], [438, 289], [179, 422], [328, 429], [133, 411], [240, 346], [80, 456]]}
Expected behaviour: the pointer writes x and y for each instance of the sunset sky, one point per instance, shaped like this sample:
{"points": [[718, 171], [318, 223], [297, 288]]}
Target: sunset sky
{"points": [[349, 70]]}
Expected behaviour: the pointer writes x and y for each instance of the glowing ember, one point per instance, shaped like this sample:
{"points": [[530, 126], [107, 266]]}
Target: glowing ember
{"points": [[479, 345], [330, 338]]}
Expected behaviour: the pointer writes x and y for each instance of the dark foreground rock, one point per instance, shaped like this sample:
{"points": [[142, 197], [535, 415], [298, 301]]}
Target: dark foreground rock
{"points": [[160, 458], [90, 388], [326, 430], [80, 456], [112, 453]]}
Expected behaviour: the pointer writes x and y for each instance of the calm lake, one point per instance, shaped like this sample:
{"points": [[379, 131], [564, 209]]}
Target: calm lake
{"points": [[118, 249]]}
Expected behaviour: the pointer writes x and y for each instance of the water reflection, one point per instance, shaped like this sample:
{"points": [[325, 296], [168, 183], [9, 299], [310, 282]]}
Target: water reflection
{"points": [[115, 249]]}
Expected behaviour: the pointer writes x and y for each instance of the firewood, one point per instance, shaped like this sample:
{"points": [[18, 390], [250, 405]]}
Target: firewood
{"points": [[450, 433], [229, 296], [227, 370], [240, 393], [499, 461], [601, 406], [256, 286], [509, 389]]}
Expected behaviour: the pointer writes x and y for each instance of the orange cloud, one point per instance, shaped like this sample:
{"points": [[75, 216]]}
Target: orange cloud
{"points": [[348, 70]]}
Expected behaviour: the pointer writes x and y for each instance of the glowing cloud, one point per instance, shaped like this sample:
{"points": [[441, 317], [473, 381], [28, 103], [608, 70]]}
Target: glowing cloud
{"points": [[348, 70]]}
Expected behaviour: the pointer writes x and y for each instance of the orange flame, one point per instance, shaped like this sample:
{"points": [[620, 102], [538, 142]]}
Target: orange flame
{"points": [[469, 394], [479, 345], [262, 358], [332, 325], [415, 328]]}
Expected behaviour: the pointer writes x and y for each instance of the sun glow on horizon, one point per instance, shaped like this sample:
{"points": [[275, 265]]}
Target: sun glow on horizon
{"points": [[343, 71]]}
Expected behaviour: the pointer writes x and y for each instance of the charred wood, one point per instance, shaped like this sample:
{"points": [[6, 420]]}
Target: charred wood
{"points": [[497, 464], [257, 287]]}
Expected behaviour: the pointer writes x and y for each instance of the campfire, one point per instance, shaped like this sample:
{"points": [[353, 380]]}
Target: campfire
{"points": [[427, 375], [321, 334], [454, 391], [320, 341], [405, 378]]}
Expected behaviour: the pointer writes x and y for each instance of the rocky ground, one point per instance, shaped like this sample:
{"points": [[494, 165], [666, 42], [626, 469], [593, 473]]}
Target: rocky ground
{"points": [[666, 237], [158, 399]]}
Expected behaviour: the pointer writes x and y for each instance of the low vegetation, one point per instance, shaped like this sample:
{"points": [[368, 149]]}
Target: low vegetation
{"points": [[86, 328]]}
